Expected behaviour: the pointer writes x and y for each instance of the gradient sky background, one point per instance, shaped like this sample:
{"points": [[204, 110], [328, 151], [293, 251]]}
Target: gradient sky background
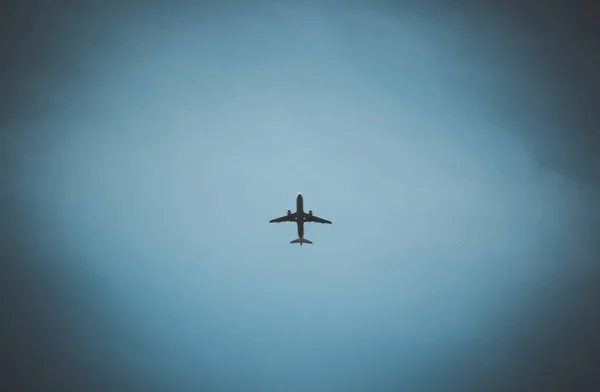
{"points": [[144, 149]]}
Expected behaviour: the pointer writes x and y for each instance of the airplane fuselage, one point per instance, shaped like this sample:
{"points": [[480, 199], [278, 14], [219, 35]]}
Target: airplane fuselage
{"points": [[300, 216]]}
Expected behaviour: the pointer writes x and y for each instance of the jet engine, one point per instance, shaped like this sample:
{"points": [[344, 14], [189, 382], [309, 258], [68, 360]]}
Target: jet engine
{"points": [[289, 212], [310, 212]]}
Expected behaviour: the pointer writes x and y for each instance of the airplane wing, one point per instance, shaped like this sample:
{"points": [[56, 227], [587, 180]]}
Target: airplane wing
{"points": [[313, 218], [286, 218]]}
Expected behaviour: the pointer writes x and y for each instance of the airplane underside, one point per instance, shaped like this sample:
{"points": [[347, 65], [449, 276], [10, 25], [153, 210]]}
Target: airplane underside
{"points": [[300, 217]]}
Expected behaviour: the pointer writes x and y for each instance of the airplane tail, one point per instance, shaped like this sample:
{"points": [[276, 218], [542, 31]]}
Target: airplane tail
{"points": [[297, 241]]}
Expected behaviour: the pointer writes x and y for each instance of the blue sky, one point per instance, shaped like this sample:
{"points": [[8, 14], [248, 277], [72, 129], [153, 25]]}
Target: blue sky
{"points": [[170, 149]]}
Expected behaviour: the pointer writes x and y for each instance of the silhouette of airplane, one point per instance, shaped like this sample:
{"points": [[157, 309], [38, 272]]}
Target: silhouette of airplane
{"points": [[300, 217]]}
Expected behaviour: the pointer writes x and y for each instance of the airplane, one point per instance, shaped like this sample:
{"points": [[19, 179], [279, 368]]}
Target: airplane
{"points": [[300, 217]]}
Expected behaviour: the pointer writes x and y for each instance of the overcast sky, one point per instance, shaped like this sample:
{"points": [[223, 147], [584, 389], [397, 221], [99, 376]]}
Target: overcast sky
{"points": [[159, 141]]}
